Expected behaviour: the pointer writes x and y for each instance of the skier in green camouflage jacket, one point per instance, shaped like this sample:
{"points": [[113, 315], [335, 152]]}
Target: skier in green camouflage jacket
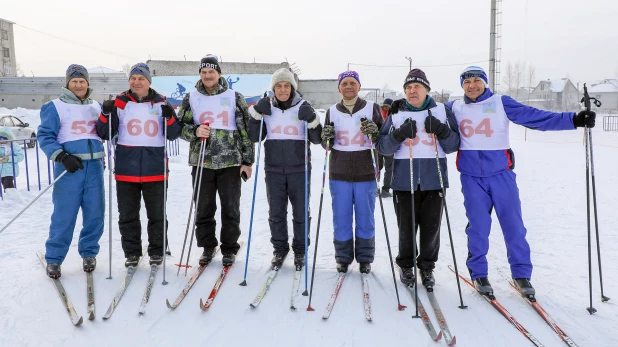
{"points": [[220, 115]]}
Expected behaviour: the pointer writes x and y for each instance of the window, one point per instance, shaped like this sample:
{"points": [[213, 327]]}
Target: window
{"points": [[7, 70], [17, 122], [5, 35], [7, 121], [7, 53]]}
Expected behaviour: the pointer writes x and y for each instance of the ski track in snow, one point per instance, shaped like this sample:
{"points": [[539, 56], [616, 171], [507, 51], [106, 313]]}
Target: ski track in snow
{"points": [[550, 168]]}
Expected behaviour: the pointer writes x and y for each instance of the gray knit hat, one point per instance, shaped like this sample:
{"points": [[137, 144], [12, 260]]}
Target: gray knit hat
{"points": [[283, 75], [141, 69], [77, 71]]}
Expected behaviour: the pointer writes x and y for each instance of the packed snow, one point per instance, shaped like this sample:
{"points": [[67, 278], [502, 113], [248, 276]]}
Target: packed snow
{"points": [[551, 177]]}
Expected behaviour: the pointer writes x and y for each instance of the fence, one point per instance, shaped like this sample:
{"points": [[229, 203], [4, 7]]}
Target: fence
{"points": [[173, 149], [610, 123]]}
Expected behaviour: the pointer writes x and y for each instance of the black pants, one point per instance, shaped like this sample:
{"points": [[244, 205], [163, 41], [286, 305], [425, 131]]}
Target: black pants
{"points": [[129, 202], [386, 162], [227, 183], [279, 189], [7, 182], [428, 215]]}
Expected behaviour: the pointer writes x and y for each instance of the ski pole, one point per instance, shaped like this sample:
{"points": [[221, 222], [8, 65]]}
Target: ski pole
{"points": [[198, 175], [257, 171], [448, 223], [410, 144], [33, 201], [317, 233], [109, 193], [305, 293], [165, 178]]}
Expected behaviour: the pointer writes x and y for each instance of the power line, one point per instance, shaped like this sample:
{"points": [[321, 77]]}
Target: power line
{"points": [[80, 44], [424, 66]]}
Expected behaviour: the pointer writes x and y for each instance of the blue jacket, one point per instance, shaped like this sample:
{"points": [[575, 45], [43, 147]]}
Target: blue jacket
{"points": [[50, 125], [12, 150], [485, 163], [425, 169]]}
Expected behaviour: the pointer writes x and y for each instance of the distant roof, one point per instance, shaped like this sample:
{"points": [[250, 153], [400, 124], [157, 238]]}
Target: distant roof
{"points": [[190, 68], [605, 86], [103, 69], [6, 20], [558, 85]]}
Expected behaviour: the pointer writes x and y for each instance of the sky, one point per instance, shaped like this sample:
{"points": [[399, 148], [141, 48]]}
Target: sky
{"points": [[560, 38]]}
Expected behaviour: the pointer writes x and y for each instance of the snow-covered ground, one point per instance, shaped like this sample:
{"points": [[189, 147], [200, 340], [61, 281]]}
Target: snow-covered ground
{"points": [[551, 169]]}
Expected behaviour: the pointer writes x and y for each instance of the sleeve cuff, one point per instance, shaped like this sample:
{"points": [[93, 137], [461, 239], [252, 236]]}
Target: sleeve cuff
{"points": [[314, 124]]}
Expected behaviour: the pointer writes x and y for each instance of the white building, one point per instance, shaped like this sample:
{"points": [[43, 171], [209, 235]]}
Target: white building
{"points": [[8, 63], [555, 95], [606, 91]]}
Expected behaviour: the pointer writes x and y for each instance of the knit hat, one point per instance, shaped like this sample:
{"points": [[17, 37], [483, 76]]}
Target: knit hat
{"points": [[387, 101], [141, 69], [473, 71], [418, 76], [283, 75], [6, 133], [77, 71], [349, 73], [210, 61]]}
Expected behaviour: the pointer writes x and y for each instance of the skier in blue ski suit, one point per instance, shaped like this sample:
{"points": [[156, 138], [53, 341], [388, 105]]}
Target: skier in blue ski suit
{"points": [[486, 162], [67, 136]]}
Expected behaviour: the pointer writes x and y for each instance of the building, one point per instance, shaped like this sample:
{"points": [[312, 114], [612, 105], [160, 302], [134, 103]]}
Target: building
{"points": [[321, 93], [605, 91], [555, 95], [8, 63], [102, 71]]}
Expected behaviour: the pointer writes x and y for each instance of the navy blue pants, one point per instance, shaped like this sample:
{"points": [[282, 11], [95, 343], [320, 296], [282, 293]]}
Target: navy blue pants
{"points": [[499, 192]]}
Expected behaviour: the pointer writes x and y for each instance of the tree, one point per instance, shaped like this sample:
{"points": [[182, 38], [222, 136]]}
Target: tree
{"points": [[126, 68], [514, 78], [19, 72], [530, 80]]}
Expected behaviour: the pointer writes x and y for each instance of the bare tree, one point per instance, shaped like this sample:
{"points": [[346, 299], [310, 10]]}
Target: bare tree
{"points": [[19, 72], [126, 68], [530, 80], [514, 78]]}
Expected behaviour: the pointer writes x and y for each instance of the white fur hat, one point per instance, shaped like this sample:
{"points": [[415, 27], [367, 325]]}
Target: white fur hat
{"points": [[283, 75]]}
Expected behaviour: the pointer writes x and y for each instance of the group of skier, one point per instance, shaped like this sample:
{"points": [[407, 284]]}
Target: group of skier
{"points": [[410, 137]]}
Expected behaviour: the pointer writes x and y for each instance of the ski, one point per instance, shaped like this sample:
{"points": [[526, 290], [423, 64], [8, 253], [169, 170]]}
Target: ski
{"points": [[491, 299], [366, 300], [189, 285], [295, 288], [271, 277], [123, 287], [436, 336], [146, 297], [206, 305], [333, 296], [64, 297], [90, 294], [548, 319], [446, 332]]}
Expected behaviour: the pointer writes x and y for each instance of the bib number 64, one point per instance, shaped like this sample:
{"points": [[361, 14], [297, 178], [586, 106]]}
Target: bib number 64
{"points": [[483, 128]]}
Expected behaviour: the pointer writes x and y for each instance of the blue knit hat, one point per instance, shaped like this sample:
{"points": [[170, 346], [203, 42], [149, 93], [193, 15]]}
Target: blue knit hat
{"points": [[473, 71], [387, 101], [349, 73], [141, 69], [77, 71]]}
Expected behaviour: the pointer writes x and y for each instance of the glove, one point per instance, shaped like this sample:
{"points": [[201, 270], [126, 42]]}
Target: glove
{"points": [[328, 132], [108, 107], [407, 130], [584, 118], [306, 113], [263, 106], [70, 162], [434, 126], [4, 159], [167, 111], [396, 105], [368, 127]]}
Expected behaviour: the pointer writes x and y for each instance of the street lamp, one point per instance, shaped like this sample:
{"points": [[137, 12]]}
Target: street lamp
{"points": [[410, 60]]}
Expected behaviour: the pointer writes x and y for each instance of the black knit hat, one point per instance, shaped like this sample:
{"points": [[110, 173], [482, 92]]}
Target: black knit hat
{"points": [[210, 61], [416, 75]]}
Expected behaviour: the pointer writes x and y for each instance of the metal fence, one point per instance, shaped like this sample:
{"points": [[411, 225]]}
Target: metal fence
{"points": [[610, 123]]}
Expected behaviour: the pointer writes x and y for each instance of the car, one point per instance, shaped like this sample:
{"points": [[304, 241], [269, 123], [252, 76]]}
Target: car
{"points": [[21, 130]]}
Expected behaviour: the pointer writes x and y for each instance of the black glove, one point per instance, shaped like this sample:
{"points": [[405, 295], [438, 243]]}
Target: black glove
{"points": [[584, 118], [108, 107], [407, 130], [70, 162], [306, 113], [328, 132], [167, 111], [263, 106], [396, 105], [434, 126]]}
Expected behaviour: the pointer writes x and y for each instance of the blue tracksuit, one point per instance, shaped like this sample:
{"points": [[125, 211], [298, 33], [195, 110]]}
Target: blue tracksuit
{"points": [[488, 182], [83, 188]]}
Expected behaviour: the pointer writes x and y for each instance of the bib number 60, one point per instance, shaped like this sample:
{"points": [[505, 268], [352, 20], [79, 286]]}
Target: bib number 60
{"points": [[150, 128]]}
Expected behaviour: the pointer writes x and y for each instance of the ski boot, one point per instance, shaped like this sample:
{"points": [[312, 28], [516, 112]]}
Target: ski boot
{"points": [[207, 255], [427, 279], [406, 275], [483, 286], [341, 267], [156, 260], [132, 261], [89, 264], [299, 261], [277, 261], [364, 268], [525, 288], [53, 270], [228, 259]]}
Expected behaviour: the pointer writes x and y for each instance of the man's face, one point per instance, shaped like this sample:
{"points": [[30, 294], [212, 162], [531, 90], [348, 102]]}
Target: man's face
{"points": [[139, 85], [416, 94], [210, 77], [474, 87], [349, 88], [283, 91], [79, 87]]}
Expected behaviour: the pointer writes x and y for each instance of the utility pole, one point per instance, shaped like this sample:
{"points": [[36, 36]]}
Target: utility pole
{"points": [[492, 46], [410, 60]]}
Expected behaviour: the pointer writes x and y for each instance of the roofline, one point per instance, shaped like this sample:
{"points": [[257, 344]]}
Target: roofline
{"points": [[6, 20]]}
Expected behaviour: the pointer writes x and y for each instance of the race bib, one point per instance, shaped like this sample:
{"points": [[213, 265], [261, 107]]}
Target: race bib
{"points": [[348, 135], [219, 111], [482, 125], [77, 122], [423, 144], [284, 125], [141, 124]]}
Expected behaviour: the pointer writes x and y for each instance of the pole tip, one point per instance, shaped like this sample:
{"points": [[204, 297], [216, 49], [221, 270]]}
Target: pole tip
{"points": [[309, 308], [305, 293], [604, 298], [164, 283], [463, 307], [591, 310], [243, 283], [401, 307]]}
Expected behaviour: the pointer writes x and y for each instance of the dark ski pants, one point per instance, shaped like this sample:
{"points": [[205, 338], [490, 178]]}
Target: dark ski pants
{"points": [[7, 182], [428, 215], [129, 195], [481, 195], [280, 188], [226, 182], [386, 162]]}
